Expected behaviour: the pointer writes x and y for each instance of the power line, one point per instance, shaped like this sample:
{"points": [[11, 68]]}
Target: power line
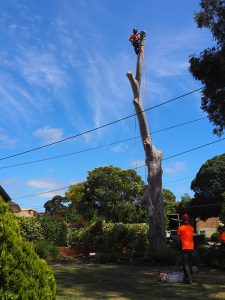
{"points": [[193, 149], [184, 152], [99, 127], [41, 193], [98, 147]]}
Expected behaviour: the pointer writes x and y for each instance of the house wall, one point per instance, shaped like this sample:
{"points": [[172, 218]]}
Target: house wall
{"points": [[27, 213], [208, 227]]}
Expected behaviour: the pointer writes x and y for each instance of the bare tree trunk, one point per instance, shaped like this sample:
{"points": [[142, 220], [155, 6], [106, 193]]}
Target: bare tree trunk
{"points": [[153, 158]]}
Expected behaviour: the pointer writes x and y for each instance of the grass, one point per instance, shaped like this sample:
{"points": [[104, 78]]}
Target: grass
{"points": [[97, 281]]}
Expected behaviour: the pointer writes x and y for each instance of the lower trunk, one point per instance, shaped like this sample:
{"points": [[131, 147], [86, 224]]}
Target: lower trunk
{"points": [[153, 202]]}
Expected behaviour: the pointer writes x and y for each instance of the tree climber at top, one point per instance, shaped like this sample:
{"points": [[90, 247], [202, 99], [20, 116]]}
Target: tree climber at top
{"points": [[134, 39]]}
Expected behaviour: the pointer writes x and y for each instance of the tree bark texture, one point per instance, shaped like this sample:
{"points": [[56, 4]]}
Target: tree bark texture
{"points": [[152, 199]]}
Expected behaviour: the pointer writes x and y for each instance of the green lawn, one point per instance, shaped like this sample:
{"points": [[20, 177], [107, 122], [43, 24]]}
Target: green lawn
{"points": [[97, 281]]}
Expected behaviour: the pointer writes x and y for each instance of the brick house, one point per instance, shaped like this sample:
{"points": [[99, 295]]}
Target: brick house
{"points": [[207, 227]]}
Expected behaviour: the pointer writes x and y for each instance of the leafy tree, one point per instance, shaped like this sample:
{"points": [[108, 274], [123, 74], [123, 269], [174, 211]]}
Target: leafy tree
{"points": [[170, 206], [209, 186], [184, 204], [168, 196], [75, 196], [222, 214], [23, 275], [56, 207], [209, 66], [109, 193]]}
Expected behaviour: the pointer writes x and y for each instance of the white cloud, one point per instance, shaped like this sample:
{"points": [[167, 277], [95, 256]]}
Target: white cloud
{"points": [[41, 69], [48, 134], [47, 184], [6, 141], [177, 167], [119, 148], [170, 54]]}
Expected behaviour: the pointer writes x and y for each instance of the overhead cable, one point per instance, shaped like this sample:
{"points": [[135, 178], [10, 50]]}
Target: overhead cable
{"points": [[193, 149], [97, 147], [99, 127]]}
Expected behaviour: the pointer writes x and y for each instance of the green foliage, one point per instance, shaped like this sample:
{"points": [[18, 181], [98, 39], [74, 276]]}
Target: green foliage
{"points": [[56, 207], [199, 240], [39, 228], [168, 255], [212, 256], [23, 275], [168, 196], [215, 237], [209, 67], [133, 237], [46, 250], [170, 208], [222, 214], [30, 228], [111, 239], [184, 203], [54, 231], [111, 194], [209, 186]]}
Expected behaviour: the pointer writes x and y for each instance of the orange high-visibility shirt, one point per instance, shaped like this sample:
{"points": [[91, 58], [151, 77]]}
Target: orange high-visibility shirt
{"points": [[222, 237], [186, 232]]}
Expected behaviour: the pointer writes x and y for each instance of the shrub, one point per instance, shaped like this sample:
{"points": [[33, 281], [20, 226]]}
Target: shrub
{"points": [[39, 228], [46, 250], [23, 275], [168, 255], [212, 256], [30, 228], [54, 231], [199, 240], [112, 239], [215, 237]]}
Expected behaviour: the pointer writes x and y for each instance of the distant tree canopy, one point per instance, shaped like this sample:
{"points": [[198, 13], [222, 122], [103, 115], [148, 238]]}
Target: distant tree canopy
{"points": [[168, 196], [209, 66], [111, 194], [209, 188], [184, 203], [56, 207]]}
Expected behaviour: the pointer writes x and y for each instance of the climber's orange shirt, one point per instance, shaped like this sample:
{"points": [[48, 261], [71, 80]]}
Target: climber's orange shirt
{"points": [[185, 232]]}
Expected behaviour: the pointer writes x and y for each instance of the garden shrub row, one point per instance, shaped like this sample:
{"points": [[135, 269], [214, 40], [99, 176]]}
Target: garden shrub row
{"points": [[43, 228], [112, 240]]}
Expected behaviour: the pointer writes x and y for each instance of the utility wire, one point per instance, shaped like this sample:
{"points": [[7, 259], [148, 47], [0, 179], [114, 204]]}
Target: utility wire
{"points": [[101, 146], [99, 127], [184, 152], [193, 149], [41, 193]]}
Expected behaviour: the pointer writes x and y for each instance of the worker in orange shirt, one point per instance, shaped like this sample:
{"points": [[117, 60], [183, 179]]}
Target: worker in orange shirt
{"points": [[222, 237], [185, 233]]}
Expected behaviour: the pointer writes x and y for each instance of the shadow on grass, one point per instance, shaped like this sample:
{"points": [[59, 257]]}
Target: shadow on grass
{"points": [[132, 282]]}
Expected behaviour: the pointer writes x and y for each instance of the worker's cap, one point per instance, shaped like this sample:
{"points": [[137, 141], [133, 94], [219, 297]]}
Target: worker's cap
{"points": [[185, 218]]}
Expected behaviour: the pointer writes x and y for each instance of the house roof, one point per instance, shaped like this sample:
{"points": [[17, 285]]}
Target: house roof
{"points": [[4, 195], [12, 205]]}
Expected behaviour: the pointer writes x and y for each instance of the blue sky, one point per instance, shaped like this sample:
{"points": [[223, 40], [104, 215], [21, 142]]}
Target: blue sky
{"points": [[63, 67]]}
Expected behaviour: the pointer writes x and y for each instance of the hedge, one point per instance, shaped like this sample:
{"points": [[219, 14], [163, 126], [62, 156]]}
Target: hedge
{"points": [[213, 256], [112, 239], [43, 228]]}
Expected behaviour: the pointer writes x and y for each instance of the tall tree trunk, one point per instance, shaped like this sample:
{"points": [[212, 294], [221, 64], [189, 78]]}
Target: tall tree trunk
{"points": [[152, 195]]}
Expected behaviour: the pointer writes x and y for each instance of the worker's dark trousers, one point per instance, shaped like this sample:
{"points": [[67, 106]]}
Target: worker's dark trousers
{"points": [[187, 264]]}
